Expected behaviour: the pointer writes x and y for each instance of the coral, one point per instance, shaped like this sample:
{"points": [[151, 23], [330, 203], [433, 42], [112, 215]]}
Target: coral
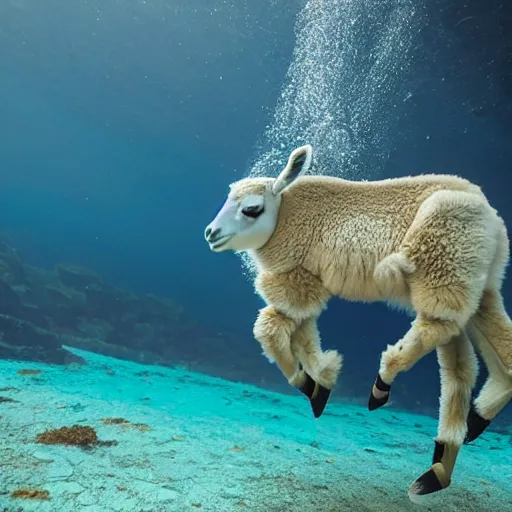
{"points": [[76, 435], [31, 494]]}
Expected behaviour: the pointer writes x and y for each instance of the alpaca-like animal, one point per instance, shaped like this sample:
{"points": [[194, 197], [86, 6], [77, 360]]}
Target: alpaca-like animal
{"points": [[431, 243]]}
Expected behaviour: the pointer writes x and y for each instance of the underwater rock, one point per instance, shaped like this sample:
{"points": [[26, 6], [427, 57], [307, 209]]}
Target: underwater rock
{"points": [[153, 307], [17, 332], [62, 317], [39, 278], [65, 296], [109, 302], [22, 340], [141, 336], [76, 276], [35, 316], [10, 303], [72, 305], [95, 328], [49, 302], [11, 267]]}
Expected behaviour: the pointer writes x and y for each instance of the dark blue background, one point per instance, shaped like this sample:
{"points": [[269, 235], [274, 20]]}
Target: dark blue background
{"points": [[122, 123]]}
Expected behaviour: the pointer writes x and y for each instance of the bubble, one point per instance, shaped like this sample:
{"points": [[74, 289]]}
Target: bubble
{"points": [[347, 65]]}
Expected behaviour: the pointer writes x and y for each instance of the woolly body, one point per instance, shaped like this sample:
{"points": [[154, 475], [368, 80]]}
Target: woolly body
{"points": [[431, 243]]}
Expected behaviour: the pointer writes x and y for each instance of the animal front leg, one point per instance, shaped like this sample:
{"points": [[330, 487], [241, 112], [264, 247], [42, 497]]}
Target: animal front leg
{"points": [[458, 368], [296, 299], [320, 369], [424, 336], [274, 330]]}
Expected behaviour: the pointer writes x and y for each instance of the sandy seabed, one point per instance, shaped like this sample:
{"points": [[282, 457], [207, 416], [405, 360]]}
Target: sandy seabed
{"points": [[189, 442]]}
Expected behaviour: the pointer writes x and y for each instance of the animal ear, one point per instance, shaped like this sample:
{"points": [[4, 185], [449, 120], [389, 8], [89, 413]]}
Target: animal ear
{"points": [[298, 164]]}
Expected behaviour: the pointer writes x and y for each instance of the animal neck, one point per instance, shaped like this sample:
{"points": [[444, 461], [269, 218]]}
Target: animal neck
{"points": [[278, 255]]}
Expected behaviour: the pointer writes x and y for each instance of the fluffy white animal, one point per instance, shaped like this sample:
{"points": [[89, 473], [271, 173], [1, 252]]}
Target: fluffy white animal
{"points": [[431, 243]]}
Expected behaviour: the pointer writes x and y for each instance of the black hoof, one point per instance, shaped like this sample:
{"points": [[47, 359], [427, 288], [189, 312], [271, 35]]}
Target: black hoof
{"points": [[319, 402], [374, 402], [317, 394], [475, 425], [425, 484], [438, 477]]}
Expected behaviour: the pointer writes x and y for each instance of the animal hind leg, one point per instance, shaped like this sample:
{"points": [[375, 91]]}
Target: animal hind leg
{"points": [[423, 337], [491, 330], [450, 247], [458, 368]]}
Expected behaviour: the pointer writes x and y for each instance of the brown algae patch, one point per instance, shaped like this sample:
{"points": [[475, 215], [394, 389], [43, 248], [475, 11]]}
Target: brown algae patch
{"points": [[76, 435], [126, 424], [31, 494]]}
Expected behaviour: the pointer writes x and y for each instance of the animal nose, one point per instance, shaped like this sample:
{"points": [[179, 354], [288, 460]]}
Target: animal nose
{"points": [[210, 234]]}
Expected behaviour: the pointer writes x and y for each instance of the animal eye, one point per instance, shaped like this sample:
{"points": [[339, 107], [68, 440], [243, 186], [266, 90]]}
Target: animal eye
{"points": [[252, 211]]}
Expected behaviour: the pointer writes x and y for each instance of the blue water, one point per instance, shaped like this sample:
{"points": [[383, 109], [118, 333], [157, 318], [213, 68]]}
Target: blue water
{"points": [[121, 126]]}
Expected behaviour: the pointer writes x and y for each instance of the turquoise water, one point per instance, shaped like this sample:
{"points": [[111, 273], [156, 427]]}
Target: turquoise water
{"points": [[195, 442], [121, 126]]}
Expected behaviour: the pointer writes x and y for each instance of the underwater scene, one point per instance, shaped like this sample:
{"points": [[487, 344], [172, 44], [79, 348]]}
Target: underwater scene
{"points": [[254, 256]]}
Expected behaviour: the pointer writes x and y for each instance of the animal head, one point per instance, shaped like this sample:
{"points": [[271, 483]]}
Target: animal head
{"points": [[248, 217]]}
